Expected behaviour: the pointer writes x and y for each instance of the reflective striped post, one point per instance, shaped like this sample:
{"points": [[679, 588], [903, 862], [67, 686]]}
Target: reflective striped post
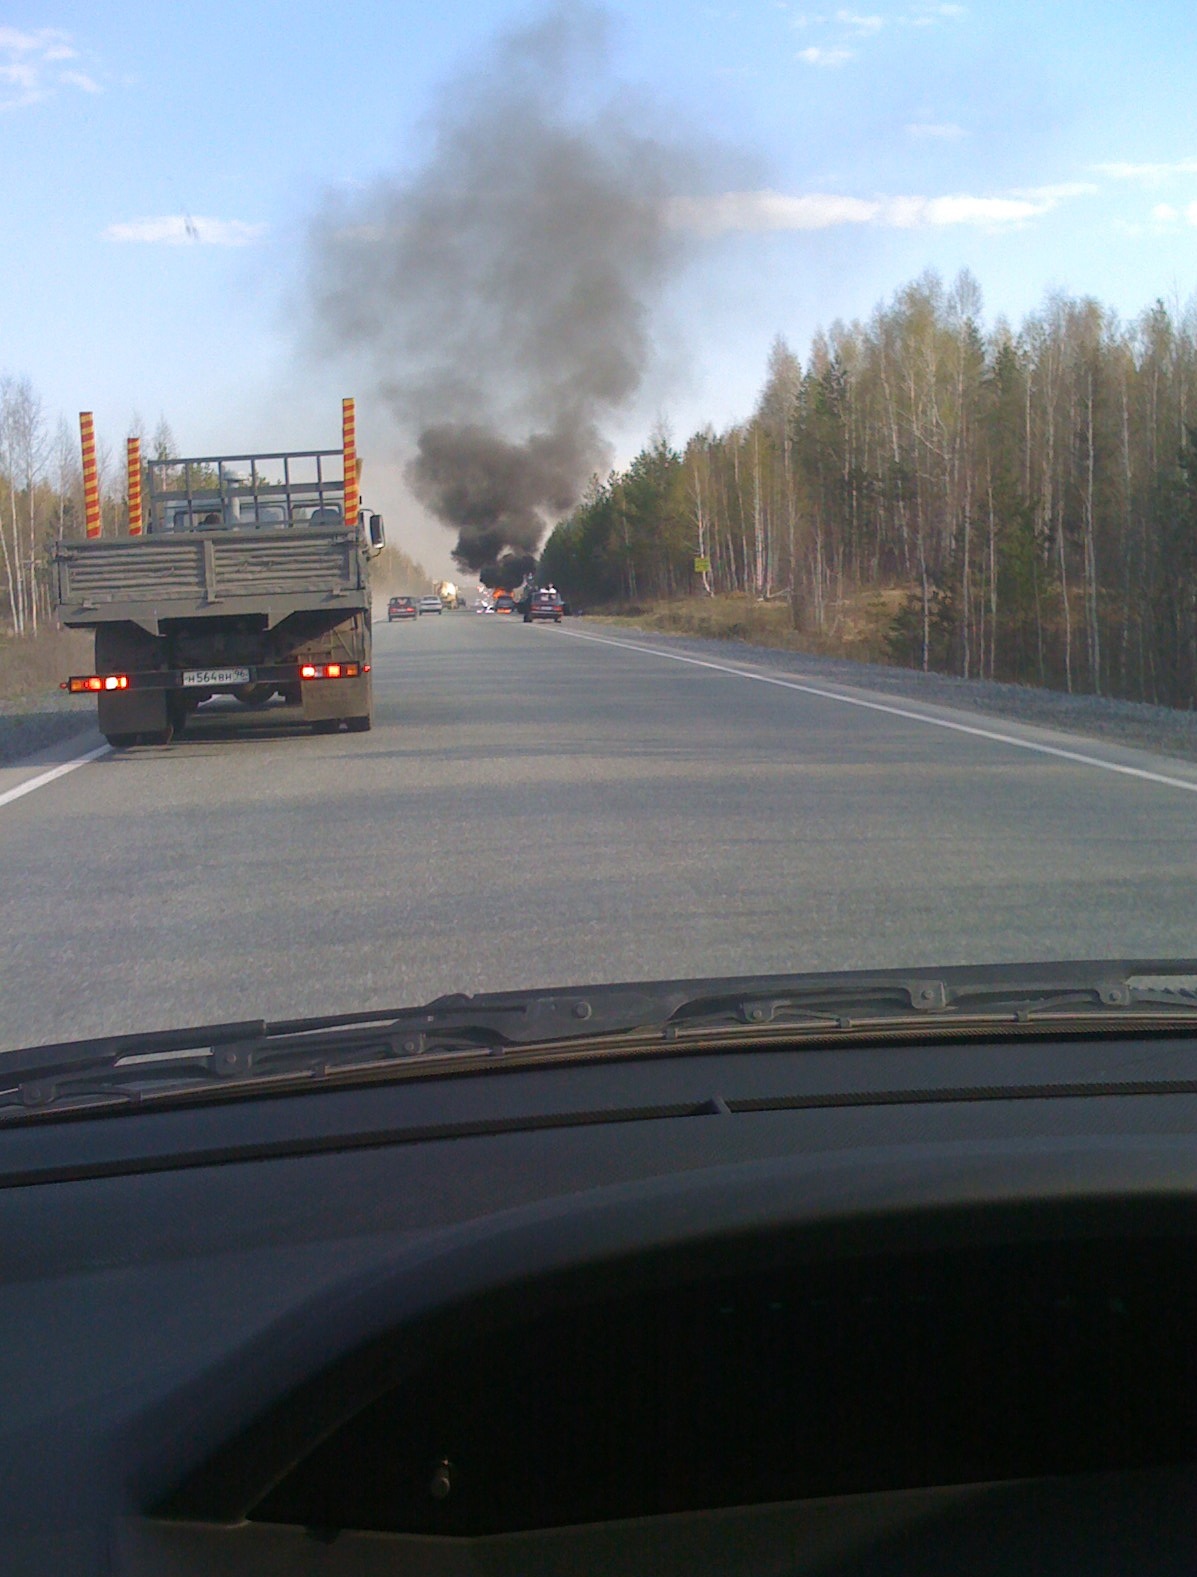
{"points": [[349, 460], [133, 471], [91, 476]]}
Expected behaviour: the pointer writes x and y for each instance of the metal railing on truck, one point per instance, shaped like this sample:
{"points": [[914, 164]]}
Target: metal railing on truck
{"points": [[214, 492]]}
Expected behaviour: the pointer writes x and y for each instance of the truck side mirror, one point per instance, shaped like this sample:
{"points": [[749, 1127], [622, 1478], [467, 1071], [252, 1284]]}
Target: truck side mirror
{"points": [[377, 532]]}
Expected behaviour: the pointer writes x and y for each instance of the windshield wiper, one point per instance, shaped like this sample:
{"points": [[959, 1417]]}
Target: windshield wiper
{"points": [[466, 1032]]}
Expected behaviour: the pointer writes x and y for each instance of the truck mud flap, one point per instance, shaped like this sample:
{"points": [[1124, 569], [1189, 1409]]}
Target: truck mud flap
{"points": [[337, 701], [140, 712]]}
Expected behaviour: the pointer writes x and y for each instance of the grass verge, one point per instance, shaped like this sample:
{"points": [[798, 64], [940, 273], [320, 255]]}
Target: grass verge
{"points": [[32, 665], [34, 712], [858, 627]]}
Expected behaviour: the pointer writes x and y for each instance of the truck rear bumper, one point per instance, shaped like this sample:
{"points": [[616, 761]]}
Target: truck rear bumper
{"points": [[219, 681]]}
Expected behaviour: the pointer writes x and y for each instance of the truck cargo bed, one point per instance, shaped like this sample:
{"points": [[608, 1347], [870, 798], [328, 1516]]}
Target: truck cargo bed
{"points": [[144, 580]]}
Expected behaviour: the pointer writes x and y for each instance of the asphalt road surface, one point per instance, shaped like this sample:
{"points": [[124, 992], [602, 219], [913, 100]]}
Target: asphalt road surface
{"points": [[561, 805]]}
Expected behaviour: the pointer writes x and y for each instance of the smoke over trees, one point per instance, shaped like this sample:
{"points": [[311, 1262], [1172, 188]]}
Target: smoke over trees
{"points": [[500, 295]]}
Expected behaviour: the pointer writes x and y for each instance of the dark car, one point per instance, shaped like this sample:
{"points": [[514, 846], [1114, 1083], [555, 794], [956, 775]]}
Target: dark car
{"points": [[504, 603], [542, 605], [400, 608]]}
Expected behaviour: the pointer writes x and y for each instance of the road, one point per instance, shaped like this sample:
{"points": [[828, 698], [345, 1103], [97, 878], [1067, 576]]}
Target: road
{"points": [[553, 805]]}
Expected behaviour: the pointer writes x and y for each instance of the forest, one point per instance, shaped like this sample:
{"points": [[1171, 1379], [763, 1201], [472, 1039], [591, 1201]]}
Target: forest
{"points": [[1029, 492]]}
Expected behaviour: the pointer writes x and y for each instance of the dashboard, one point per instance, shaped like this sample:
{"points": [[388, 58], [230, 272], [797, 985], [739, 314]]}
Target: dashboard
{"points": [[753, 1310]]}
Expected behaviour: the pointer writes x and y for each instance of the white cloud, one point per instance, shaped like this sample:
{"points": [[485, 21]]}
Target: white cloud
{"points": [[817, 56], [767, 210], [936, 131], [862, 26], [910, 213], [1165, 215], [1059, 193], [19, 85], [26, 62], [181, 230], [18, 41], [1147, 174], [929, 14]]}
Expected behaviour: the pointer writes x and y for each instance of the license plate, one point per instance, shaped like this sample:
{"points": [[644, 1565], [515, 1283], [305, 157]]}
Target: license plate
{"points": [[206, 678]]}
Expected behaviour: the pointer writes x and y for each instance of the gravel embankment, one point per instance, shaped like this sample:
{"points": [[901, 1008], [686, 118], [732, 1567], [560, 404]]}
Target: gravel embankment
{"points": [[1157, 728], [29, 723]]}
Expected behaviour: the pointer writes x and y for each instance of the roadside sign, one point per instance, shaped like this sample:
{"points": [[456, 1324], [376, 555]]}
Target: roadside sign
{"points": [[702, 566]]}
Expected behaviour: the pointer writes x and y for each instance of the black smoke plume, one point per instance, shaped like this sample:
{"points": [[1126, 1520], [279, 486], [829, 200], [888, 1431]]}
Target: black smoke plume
{"points": [[510, 571], [501, 292]]}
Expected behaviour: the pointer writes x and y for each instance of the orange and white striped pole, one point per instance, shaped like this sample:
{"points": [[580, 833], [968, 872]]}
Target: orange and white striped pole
{"points": [[133, 471], [349, 461], [91, 476]]}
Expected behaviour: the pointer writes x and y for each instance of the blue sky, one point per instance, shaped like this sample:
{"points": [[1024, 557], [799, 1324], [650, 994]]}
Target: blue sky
{"points": [[162, 166]]}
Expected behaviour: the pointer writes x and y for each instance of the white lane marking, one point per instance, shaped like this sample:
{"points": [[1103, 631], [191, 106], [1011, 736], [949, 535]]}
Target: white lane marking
{"points": [[900, 711], [55, 772]]}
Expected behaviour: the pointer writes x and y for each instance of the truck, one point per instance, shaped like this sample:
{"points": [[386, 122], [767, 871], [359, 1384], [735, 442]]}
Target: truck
{"points": [[247, 575]]}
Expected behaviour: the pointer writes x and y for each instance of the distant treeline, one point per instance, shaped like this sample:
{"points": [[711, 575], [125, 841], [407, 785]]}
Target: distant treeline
{"points": [[1034, 491]]}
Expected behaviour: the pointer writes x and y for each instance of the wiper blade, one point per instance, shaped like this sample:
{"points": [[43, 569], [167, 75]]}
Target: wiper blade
{"points": [[469, 1031], [948, 999], [129, 1069]]}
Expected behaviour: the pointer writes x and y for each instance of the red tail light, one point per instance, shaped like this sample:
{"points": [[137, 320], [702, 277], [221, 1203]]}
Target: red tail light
{"points": [[331, 670], [81, 684]]}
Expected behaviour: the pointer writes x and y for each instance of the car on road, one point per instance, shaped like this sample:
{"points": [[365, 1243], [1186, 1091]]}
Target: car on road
{"points": [[504, 603], [544, 606], [400, 608], [431, 605]]}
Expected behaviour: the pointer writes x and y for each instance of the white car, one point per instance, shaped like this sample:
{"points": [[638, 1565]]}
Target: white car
{"points": [[430, 604]]}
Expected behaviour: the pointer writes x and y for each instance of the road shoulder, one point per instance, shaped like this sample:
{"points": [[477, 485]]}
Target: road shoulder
{"points": [[1161, 732]]}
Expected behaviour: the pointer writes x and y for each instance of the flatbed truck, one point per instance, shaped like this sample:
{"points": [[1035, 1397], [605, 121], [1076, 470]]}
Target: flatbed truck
{"points": [[250, 579]]}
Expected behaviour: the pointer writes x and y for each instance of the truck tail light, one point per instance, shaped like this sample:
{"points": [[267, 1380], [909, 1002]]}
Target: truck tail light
{"points": [[83, 684], [330, 670]]}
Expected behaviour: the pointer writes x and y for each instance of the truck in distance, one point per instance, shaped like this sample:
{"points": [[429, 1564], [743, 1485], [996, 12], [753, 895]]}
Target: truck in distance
{"points": [[249, 579]]}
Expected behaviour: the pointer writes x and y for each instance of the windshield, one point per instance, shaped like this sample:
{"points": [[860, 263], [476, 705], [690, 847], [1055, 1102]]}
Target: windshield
{"points": [[814, 395]]}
